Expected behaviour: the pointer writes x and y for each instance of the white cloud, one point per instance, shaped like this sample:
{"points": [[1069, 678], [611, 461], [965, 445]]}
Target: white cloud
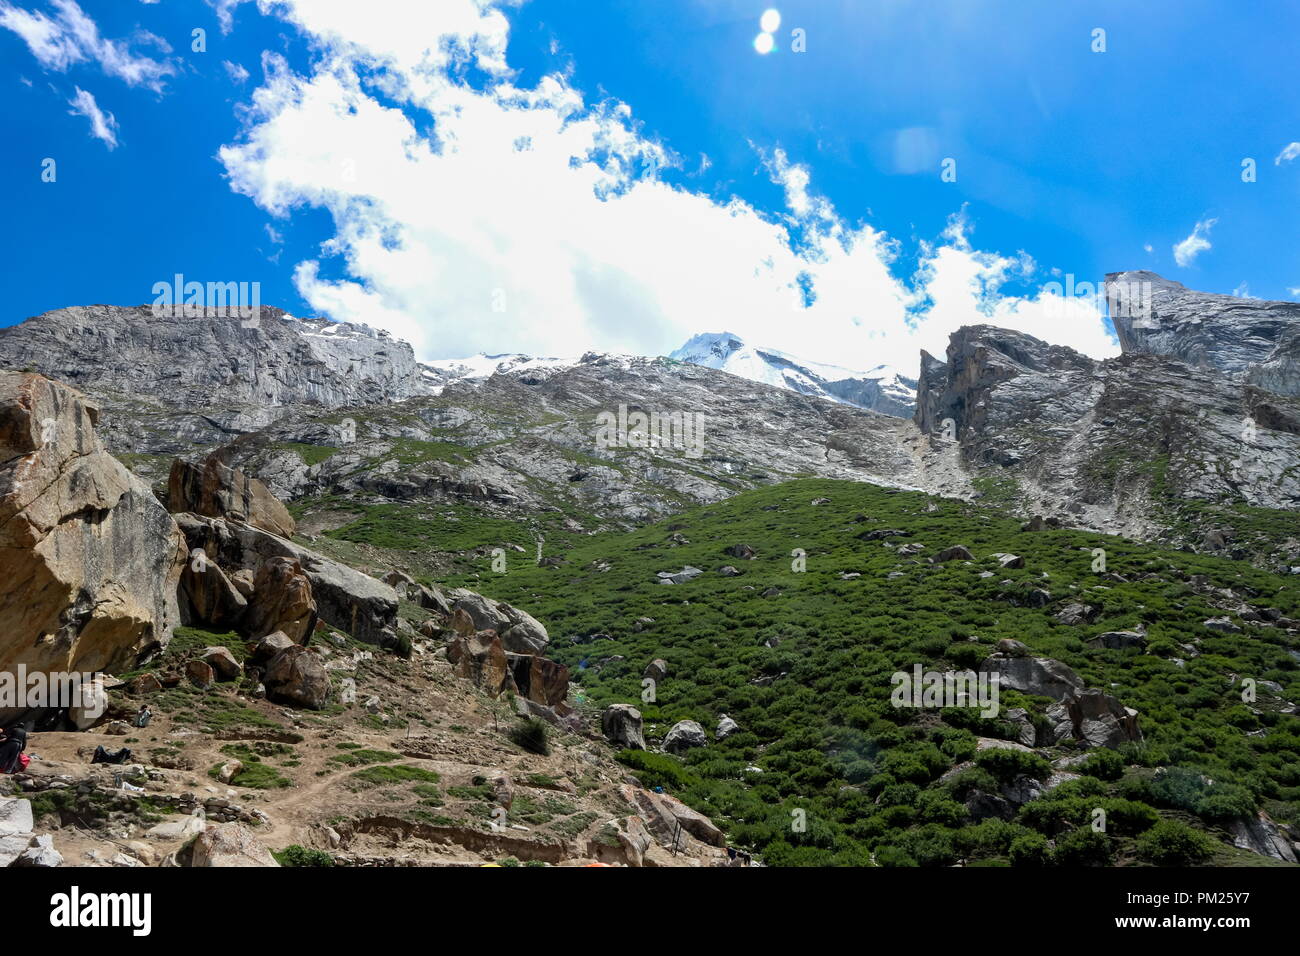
{"points": [[564, 211], [71, 37], [102, 125], [1186, 251], [1289, 152], [235, 71]]}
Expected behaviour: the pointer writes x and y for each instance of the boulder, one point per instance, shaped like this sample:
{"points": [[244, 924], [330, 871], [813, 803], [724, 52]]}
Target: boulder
{"points": [[742, 551], [667, 817], [144, 684], [481, 658], [1096, 718], [1119, 640], [353, 602], [41, 854], [90, 560], [223, 662], [1034, 675], [954, 553], [657, 669], [296, 676], [1076, 614], [282, 601], [208, 598], [1261, 835], [271, 645], [1009, 561], [687, 573], [1223, 625], [15, 816], [539, 679], [728, 571], [726, 727], [684, 735], [520, 632], [229, 845], [215, 490], [621, 725], [92, 706], [200, 674]]}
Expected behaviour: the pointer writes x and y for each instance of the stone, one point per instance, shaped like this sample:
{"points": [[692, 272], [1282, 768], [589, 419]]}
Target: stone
{"points": [[216, 490], [1223, 625], [1009, 561], [657, 669], [955, 553], [684, 735], [621, 725], [355, 603], [726, 727], [143, 685], [282, 601], [539, 679], [296, 676], [200, 674], [15, 816], [1034, 675], [742, 551], [271, 645], [481, 658], [229, 845], [92, 707], [728, 571], [1119, 640], [1076, 614], [41, 854], [208, 598], [222, 662], [229, 770], [520, 632], [687, 573], [90, 559], [667, 818]]}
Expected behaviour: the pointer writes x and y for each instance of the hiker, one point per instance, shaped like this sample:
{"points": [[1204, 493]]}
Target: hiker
{"points": [[143, 716], [12, 743]]}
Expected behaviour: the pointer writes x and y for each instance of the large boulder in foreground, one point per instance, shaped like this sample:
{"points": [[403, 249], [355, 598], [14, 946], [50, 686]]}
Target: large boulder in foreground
{"points": [[89, 559], [216, 490], [227, 845], [355, 603]]}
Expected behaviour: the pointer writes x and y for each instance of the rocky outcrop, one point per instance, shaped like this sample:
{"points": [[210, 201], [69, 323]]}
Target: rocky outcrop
{"points": [[351, 601], [217, 491], [89, 558], [1237, 337], [173, 383], [668, 818], [520, 632], [480, 658]]}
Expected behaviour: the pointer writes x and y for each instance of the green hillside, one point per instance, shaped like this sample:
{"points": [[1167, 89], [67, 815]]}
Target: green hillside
{"points": [[806, 674]]}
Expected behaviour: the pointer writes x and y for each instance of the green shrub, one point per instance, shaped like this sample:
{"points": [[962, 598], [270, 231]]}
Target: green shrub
{"points": [[296, 855], [532, 735], [1171, 843]]}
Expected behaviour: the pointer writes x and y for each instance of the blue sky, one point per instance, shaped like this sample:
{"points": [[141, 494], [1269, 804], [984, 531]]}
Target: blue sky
{"points": [[557, 175]]}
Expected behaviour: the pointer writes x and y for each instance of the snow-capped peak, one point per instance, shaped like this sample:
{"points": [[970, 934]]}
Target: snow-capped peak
{"points": [[881, 389]]}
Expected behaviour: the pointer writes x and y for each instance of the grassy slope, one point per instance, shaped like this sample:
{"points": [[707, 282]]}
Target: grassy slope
{"points": [[823, 732]]}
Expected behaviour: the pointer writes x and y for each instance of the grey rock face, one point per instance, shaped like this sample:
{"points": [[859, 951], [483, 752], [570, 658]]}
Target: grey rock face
{"points": [[621, 725], [167, 384], [1205, 330]]}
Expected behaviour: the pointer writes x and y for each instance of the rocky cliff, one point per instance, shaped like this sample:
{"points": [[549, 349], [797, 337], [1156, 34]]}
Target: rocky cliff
{"points": [[89, 557], [173, 383]]}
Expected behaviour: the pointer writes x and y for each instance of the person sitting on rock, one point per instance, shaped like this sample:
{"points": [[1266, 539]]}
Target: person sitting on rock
{"points": [[143, 716], [12, 743]]}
